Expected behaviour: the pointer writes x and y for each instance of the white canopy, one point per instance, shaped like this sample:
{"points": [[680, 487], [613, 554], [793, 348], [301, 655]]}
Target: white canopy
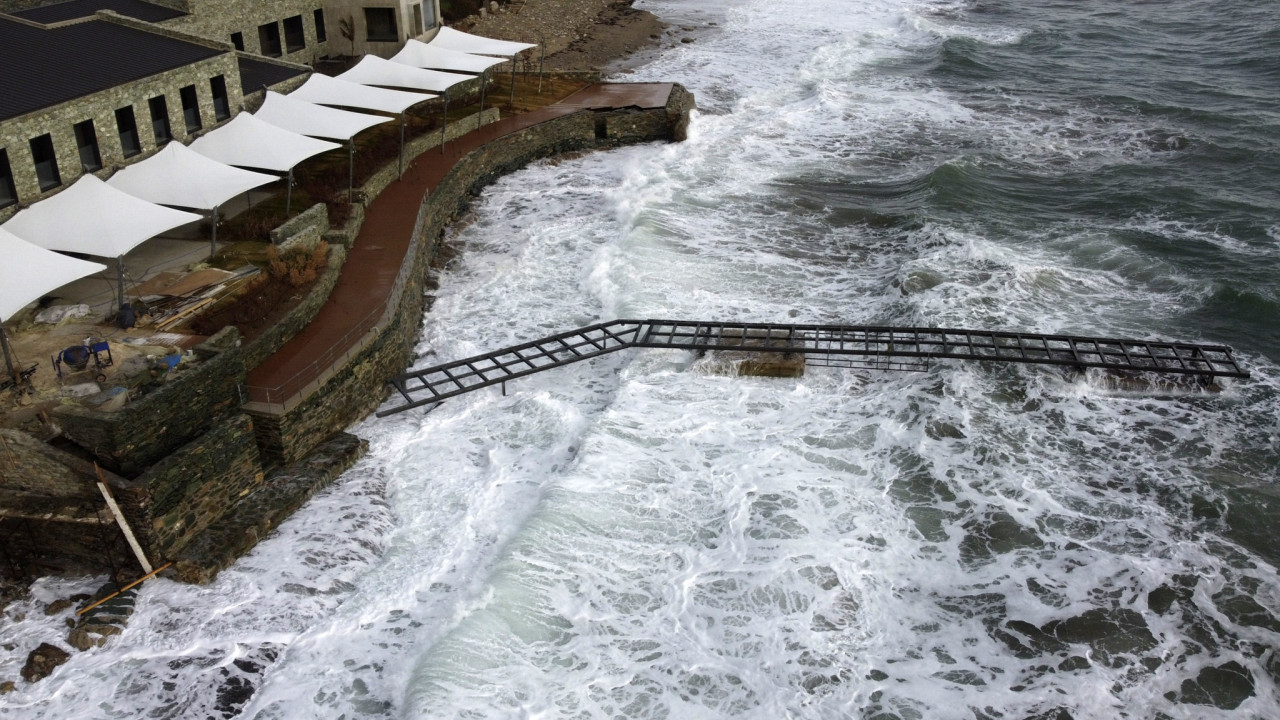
{"points": [[30, 272], [421, 55], [309, 119], [177, 175], [93, 218], [248, 141], [451, 39], [324, 90], [373, 70]]}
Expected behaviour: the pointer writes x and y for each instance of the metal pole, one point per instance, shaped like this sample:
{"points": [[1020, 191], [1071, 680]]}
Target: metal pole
{"points": [[542, 58], [120, 282], [8, 355], [511, 101], [213, 238], [400, 162], [288, 194], [351, 166], [444, 128], [484, 85]]}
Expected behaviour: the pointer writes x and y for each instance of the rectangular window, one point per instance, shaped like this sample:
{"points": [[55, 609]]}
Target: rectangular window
{"points": [[294, 38], [381, 25], [127, 127], [87, 144], [269, 39], [417, 19], [190, 108], [321, 36], [237, 41], [429, 10], [160, 119], [46, 162], [221, 106], [8, 193]]}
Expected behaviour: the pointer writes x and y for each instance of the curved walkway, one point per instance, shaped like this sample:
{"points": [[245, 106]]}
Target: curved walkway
{"points": [[368, 278]]}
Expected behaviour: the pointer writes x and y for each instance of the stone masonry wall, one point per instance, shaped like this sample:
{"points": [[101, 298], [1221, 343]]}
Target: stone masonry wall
{"points": [[141, 433], [59, 121], [360, 386], [193, 487], [218, 19]]}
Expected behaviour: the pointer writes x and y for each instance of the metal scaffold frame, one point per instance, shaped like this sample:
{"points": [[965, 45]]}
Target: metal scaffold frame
{"points": [[830, 345]]}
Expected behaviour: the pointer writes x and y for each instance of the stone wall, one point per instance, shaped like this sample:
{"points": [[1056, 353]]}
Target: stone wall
{"points": [[306, 229], [353, 11], [100, 107], [218, 19], [359, 387], [143, 432], [193, 487]]}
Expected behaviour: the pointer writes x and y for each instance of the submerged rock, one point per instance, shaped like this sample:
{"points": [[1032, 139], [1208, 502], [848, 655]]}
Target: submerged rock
{"points": [[1225, 686]]}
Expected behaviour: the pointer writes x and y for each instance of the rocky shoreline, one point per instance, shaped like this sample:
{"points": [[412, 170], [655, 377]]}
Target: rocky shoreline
{"points": [[578, 34]]}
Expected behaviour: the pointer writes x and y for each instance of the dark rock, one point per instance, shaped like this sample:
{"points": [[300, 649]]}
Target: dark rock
{"points": [[1108, 632], [1225, 686], [1161, 599], [57, 606], [42, 661]]}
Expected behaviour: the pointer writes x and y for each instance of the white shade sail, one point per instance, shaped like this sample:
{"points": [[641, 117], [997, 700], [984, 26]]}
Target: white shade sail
{"points": [[324, 90], [373, 70], [421, 55], [315, 120], [29, 272], [178, 175], [93, 218], [456, 40], [247, 141]]}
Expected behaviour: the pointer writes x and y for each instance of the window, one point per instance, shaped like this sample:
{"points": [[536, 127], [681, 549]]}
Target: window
{"points": [[417, 19], [128, 129], [8, 194], [237, 41], [320, 33], [160, 119], [221, 106], [46, 162], [429, 10], [381, 24], [87, 144], [294, 38], [269, 39], [190, 108]]}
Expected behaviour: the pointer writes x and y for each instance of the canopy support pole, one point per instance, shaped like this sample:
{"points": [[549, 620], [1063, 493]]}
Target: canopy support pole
{"points": [[542, 59], [8, 355], [351, 166], [484, 85], [120, 281], [400, 162], [213, 237], [288, 194], [444, 127], [511, 101]]}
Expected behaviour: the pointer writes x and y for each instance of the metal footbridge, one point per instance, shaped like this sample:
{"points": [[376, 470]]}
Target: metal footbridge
{"points": [[886, 348]]}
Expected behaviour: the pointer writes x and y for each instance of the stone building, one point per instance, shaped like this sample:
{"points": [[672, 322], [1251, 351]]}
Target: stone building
{"points": [[379, 27], [89, 85]]}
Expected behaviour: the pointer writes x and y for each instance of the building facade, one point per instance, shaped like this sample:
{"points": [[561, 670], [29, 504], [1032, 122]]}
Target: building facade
{"points": [[72, 100]]}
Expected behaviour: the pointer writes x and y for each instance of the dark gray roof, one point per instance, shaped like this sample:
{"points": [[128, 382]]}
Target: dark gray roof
{"points": [[256, 73], [40, 68], [74, 9]]}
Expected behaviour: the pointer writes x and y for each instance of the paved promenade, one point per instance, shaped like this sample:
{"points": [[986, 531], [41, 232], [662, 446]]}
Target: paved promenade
{"points": [[369, 274]]}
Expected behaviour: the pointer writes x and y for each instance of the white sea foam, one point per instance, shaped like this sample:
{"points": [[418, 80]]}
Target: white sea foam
{"points": [[641, 536]]}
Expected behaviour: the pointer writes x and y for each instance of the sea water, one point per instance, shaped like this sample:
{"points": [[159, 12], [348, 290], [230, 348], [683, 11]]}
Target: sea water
{"points": [[644, 536]]}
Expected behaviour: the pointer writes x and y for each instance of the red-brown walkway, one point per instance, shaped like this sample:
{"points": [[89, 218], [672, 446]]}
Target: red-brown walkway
{"points": [[360, 296]]}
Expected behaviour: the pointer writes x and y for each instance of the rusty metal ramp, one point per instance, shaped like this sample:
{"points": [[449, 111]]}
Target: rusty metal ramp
{"points": [[887, 348]]}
